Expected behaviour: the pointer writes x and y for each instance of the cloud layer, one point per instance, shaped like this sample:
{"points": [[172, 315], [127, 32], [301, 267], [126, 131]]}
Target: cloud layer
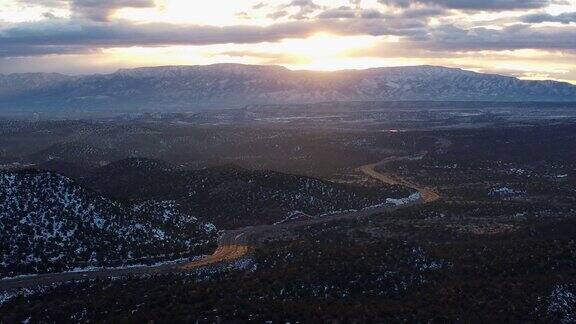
{"points": [[418, 26], [474, 4]]}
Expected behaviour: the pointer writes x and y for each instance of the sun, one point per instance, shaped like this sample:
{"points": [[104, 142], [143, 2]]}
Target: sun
{"points": [[321, 51]]}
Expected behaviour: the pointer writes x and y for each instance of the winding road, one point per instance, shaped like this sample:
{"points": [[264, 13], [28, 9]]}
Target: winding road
{"points": [[428, 194], [232, 244]]}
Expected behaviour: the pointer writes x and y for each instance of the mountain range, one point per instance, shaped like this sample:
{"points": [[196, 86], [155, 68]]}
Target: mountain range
{"points": [[172, 88]]}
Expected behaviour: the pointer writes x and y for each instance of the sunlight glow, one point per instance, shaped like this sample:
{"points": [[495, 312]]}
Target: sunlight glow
{"points": [[321, 51]]}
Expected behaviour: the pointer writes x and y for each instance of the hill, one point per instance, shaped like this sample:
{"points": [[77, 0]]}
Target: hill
{"points": [[231, 196], [172, 88], [50, 223]]}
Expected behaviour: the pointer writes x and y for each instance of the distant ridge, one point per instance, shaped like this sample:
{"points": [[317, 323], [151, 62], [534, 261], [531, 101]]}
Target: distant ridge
{"points": [[171, 88]]}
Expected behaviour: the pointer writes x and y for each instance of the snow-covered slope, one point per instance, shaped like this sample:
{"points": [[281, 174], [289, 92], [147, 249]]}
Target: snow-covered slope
{"points": [[234, 85], [11, 84], [49, 223]]}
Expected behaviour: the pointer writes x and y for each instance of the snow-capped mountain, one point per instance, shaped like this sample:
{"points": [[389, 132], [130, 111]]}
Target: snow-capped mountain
{"points": [[14, 84], [234, 85], [49, 223]]}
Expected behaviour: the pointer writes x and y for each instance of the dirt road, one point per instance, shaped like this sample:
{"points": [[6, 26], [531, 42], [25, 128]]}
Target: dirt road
{"points": [[428, 194], [233, 244]]}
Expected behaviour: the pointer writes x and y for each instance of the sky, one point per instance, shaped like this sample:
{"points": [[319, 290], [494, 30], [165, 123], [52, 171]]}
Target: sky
{"points": [[530, 39]]}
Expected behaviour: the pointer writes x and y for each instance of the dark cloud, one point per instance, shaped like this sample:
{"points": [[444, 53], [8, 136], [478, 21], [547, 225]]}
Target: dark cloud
{"points": [[277, 14], [513, 37], [80, 32], [473, 4], [410, 13], [303, 3], [100, 10], [335, 13], [34, 50], [305, 8], [67, 34], [371, 14], [422, 12], [96, 10], [564, 18]]}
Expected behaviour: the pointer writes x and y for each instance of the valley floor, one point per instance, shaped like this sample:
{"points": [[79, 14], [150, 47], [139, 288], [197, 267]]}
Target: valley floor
{"points": [[234, 244], [491, 238]]}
